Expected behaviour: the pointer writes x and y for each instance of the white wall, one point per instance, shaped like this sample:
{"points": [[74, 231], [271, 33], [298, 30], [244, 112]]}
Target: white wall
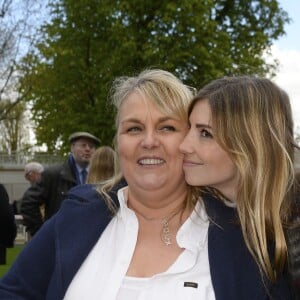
{"points": [[14, 182]]}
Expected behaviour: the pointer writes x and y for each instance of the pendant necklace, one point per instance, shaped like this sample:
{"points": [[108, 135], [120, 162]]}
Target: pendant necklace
{"points": [[165, 230]]}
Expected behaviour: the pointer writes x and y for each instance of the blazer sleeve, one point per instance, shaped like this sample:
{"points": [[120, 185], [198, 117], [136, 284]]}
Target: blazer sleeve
{"points": [[292, 235]]}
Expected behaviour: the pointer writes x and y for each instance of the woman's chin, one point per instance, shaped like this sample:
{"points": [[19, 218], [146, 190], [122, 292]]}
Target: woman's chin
{"points": [[193, 181]]}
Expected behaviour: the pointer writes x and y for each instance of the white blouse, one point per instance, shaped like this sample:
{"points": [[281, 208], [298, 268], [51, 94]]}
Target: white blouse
{"points": [[102, 275]]}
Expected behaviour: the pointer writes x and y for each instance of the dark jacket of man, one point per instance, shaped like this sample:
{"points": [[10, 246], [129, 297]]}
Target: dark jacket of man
{"points": [[55, 183], [8, 228], [47, 266]]}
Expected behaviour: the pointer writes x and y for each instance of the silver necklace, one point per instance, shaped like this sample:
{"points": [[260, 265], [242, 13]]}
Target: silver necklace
{"points": [[165, 230]]}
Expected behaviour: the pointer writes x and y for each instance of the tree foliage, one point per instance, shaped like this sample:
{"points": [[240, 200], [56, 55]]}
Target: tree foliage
{"points": [[88, 43]]}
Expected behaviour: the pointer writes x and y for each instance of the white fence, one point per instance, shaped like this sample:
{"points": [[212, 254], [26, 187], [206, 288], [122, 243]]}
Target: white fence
{"points": [[12, 170], [19, 159]]}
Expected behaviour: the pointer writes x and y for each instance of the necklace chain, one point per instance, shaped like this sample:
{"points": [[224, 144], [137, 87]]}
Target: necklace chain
{"points": [[165, 231]]}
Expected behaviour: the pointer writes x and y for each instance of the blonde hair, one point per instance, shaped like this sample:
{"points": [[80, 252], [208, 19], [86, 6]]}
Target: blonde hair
{"points": [[169, 95], [101, 165], [252, 122]]}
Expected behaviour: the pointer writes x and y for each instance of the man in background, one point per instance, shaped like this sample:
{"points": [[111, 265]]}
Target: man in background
{"points": [[57, 180], [33, 171]]}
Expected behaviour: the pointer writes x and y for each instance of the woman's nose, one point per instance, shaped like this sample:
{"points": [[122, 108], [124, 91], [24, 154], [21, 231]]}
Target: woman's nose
{"points": [[185, 146], [150, 139]]}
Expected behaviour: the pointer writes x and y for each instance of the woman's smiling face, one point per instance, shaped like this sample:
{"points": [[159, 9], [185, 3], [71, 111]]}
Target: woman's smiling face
{"points": [[205, 162], [148, 145]]}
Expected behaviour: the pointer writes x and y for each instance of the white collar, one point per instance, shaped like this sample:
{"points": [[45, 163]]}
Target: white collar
{"points": [[193, 232]]}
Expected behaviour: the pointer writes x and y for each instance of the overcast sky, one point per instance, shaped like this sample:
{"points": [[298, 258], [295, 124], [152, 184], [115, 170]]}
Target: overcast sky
{"points": [[287, 51]]}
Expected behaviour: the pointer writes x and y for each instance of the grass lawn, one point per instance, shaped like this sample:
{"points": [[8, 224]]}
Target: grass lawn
{"points": [[11, 255]]}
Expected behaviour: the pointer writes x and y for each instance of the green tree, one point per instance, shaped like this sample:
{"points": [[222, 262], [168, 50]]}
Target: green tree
{"points": [[88, 43]]}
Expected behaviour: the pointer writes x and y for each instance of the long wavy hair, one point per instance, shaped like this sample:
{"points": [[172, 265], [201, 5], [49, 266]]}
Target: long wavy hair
{"points": [[252, 122], [101, 165], [169, 95]]}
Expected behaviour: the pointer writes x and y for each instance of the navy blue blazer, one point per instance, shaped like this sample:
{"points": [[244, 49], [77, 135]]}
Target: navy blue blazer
{"points": [[48, 263]]}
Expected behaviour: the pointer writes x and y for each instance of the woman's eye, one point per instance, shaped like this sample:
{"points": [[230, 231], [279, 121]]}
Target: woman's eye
{"points": [[168, 128], [205, 133], [133, 129]]}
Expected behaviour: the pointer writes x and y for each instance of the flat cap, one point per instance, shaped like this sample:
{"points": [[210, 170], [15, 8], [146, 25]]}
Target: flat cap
{"points": [[81, 134]]}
